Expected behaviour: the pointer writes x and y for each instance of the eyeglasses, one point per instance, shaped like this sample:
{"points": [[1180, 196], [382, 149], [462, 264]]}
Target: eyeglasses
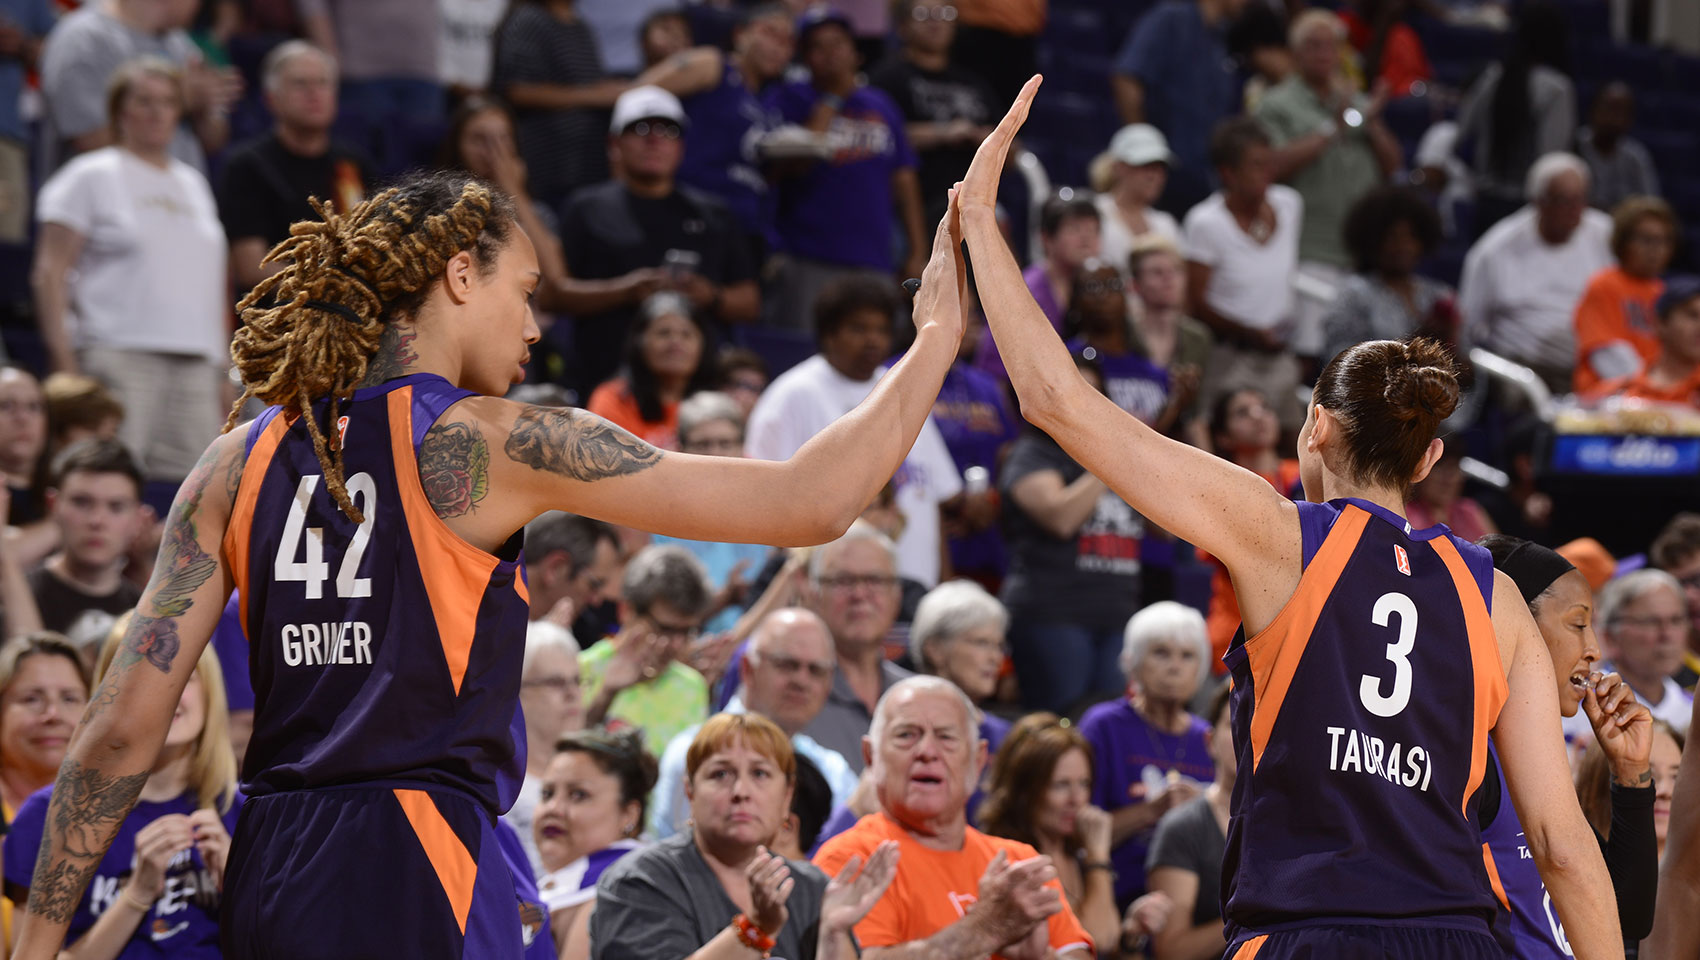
{"points": [[1675, 621], [849, 582], [945, 13], [1093, 288], [558, 685], [667, 631], [665, 129], [789, 665], [38, 701], [714, 445]]}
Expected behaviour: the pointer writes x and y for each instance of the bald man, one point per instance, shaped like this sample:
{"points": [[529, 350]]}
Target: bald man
{"points": [[786, 672]]}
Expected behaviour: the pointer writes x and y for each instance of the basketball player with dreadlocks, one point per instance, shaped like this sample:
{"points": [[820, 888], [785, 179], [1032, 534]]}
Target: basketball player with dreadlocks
{"points": [[369, 521]]}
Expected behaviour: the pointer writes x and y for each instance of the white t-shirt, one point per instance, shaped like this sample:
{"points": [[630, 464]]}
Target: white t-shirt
{"points": [[468, 41], [153, 273], [1116, 240], [1518, 295], [1250, 282], [804, 400]]}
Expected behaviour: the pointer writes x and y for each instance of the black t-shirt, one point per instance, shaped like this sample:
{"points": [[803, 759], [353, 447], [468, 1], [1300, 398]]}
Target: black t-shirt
{"points": [[1092, 578], [64, 607], [265, 187], [608, 232], [937, 96], [1188, 838]]}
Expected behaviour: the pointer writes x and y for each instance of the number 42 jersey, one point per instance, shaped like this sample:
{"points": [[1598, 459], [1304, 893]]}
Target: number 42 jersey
{"points": [[1360, 720], [385, 652]]}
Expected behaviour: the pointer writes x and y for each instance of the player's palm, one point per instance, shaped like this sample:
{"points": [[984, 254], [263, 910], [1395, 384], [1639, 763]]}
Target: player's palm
{"points": [[980, 185]]}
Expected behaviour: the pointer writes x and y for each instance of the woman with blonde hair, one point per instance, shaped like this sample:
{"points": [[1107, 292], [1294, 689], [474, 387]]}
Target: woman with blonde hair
{"points": [[159, 882]]}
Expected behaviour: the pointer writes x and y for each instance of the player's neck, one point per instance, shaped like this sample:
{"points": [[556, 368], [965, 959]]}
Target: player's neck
{"points": [[170, 776], [1336, 487], [399, 353]]}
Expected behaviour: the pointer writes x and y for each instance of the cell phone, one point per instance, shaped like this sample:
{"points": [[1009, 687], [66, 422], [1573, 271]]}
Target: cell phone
{"points": [[679, 263]]}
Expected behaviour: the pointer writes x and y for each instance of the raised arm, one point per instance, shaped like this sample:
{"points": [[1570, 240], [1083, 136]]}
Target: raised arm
{"points": [[1537, 778], [1227, 510], [116, 742], [1676, 916], [560, 458]]}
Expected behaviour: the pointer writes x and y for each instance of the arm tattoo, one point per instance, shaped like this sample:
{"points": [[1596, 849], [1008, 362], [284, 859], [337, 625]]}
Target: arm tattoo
{"points": [[181, 569], [394, 358], [454, 467], [85, 812], [577, 445]]}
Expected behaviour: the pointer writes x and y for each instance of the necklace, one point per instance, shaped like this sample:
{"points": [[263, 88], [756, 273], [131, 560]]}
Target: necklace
{"points": [[1170, 755], [1259, 229]]}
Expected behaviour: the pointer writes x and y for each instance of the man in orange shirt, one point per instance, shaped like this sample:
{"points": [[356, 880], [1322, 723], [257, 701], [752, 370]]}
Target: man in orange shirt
{"points": [[959, 894], [1674, 375]]}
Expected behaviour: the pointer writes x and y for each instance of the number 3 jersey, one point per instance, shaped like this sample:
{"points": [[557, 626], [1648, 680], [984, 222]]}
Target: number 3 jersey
{"points": [[1360, 720], [385, 652]]}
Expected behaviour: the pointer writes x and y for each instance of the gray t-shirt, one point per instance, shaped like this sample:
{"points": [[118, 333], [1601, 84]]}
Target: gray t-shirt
{"points": [[383, 39], [82, 52], [663, 902], [1188, 838]]}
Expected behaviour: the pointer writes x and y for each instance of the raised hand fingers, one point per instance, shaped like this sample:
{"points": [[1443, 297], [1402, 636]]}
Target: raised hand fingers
{"points": [[980, 184]]}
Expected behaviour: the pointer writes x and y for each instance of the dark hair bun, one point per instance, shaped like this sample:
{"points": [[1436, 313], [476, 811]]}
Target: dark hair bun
{"points": [[1424, 386]]}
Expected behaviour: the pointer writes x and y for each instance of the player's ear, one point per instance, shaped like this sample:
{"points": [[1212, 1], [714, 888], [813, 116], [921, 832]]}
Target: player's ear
{"points": [[1430, 456]]}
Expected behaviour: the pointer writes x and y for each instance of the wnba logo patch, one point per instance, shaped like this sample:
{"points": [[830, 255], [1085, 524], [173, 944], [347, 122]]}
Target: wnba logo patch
{"points": [[1402, 560], [342, 431]]}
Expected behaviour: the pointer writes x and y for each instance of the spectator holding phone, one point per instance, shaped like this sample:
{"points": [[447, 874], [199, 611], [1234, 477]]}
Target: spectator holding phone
{"points": [[640, 233]]}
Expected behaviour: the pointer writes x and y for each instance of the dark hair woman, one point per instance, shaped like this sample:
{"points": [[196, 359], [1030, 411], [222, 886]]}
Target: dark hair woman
{"points": [[1317, 580]]}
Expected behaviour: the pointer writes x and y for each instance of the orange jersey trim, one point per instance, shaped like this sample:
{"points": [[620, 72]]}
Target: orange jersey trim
{"points": [[1274, 654], [241, 527], [1250, 948], [455, 572], [1491, 690], [456, 870], [1493, 878]]}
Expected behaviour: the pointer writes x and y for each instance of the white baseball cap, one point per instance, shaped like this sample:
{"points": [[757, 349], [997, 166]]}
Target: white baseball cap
{"points": [[1138, 144], [645, 103]]}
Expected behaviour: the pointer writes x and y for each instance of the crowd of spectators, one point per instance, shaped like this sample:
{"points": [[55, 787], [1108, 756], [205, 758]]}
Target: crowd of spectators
{"points": [[1000, 693]]}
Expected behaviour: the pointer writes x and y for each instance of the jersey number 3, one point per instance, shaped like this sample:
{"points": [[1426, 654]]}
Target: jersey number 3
{"points": [[1399, 651], [298, 537]]}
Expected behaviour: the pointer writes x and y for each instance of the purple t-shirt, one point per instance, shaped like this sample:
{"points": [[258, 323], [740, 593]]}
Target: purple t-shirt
{"points": [[1127, 751], [840, 211], [973, 415], [1135, 383], [987, 358], [183, 921], [720, 157], [231, 645]]}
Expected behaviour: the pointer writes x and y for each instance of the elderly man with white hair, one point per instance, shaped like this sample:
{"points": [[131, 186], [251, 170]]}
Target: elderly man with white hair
{"points": [[853, 582], [1523, 278], [958, 634], [549, 698], [1150, 754], [1642, 620], [959, 894]]}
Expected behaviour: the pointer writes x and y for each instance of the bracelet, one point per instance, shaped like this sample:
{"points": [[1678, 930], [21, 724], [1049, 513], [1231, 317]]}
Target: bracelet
{"points": [[1103, 865], [751, 935], [143, 906]]}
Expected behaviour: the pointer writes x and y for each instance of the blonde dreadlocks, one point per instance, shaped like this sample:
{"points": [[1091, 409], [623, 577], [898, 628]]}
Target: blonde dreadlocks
{"points": [[311, 329]]}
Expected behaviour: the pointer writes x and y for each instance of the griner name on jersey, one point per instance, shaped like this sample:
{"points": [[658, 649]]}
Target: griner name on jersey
{"points": [[327, 644]]}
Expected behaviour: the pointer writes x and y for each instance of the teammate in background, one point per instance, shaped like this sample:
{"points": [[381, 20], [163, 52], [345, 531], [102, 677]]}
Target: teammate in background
{"points": [[1354, 830], [369, 520], [1562, 604]]}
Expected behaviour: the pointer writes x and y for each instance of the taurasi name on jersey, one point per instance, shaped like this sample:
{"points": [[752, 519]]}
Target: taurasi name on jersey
{"points": [[1366, 754], [327, 644]]}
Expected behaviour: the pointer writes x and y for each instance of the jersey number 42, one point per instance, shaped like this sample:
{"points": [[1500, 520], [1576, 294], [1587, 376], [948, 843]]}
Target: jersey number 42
{"points": [[312, 569]]}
